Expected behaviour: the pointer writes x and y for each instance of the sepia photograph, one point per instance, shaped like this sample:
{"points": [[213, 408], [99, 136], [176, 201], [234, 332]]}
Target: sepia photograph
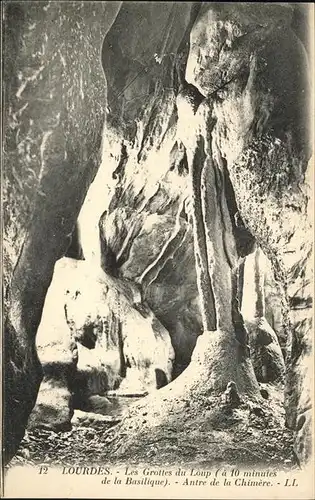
{"points": [[157, 214]]}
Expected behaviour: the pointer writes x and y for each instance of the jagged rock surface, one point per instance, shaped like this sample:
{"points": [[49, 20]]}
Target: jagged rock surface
{"points": [[218, 94], [58, 355], [95, 338], [54, 87], [262, 133], [266, 353], [257, 131]]}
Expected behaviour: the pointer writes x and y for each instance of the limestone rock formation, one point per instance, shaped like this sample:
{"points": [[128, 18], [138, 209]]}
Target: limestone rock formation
{"points": [[122, 340], [95, 339], [239, 110], [205, 150], [266, 352], [155, 250], [58, 355], [54, 87], [262, 133]]}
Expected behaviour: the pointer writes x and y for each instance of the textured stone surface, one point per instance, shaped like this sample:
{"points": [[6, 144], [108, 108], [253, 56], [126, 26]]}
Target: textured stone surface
{"points": [[156, 251], [262, 133], [122, 341], [239, 109], [54, 86], [266, 352], [54, 408], [214, 102], [252, 70], [58, 354], [225, 37], [143, 180], [95, 338]]}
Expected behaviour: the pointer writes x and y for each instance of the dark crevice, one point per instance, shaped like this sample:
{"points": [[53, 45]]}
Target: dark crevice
{"points": [[244, 240], [74, 250], [120, 170], [183, 50], [123, 362]]}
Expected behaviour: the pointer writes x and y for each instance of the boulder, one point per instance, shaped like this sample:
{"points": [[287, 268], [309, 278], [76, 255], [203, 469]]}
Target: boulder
{"points": [[265, 349], [266, 353]]}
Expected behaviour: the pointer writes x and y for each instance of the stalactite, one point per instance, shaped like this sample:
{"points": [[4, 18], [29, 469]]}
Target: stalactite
{"points": [[204, 280]]}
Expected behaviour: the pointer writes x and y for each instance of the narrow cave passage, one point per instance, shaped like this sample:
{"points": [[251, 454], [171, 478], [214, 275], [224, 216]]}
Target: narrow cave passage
{"points": [[158, 234]]}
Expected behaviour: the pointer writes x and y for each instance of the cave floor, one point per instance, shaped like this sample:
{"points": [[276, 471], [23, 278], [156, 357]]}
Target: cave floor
{"points": [[201, 433]]}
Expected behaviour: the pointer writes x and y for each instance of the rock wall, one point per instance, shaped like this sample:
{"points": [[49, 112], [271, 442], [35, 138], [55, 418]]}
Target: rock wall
{"points": [[142, 188], [257, 73], [54, 87], [248, 69]]}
